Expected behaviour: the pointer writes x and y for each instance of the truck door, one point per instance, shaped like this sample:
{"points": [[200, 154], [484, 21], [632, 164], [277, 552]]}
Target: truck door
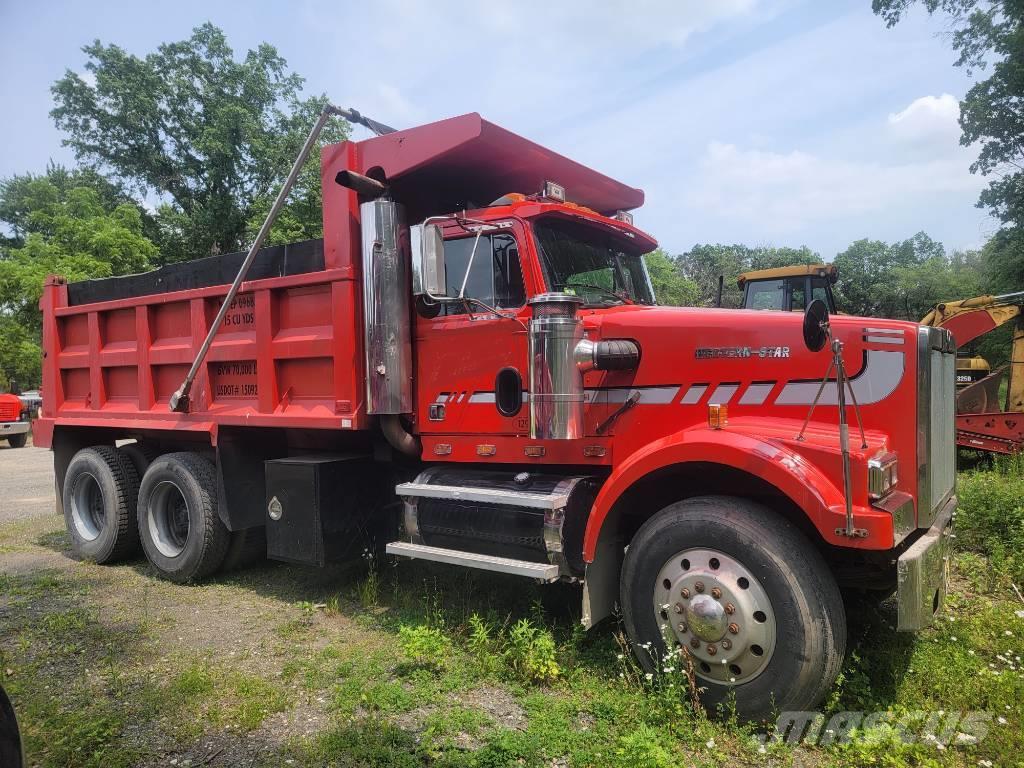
{"points": [[471, 365]]}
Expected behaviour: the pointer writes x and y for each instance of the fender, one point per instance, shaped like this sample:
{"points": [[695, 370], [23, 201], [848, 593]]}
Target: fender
{"points": [[777, 464]]}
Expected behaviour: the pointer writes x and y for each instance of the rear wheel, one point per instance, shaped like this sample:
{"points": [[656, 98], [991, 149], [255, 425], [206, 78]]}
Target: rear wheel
{"points": [[18, 441], [140, 455], [748, 596], [181, 532], [101, 487]]}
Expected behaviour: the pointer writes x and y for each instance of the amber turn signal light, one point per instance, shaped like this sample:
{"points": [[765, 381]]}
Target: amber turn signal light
{"points": [[718, 415]]}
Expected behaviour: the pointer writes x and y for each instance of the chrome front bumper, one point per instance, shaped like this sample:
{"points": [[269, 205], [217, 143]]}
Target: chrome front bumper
{"points": [[922, 572], [13, 428]]}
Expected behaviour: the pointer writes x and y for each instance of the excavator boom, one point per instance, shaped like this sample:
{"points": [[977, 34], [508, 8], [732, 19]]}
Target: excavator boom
{"points": [[981, 423]]}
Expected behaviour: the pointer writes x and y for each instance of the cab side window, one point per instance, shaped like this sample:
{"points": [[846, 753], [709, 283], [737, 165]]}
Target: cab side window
{"points": [[496, 277]]}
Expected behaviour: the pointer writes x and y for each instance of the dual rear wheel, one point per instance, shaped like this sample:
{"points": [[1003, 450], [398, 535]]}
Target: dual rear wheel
{"points": [[118, 500]]}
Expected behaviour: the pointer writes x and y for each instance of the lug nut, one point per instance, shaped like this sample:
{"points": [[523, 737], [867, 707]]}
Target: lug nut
{"points": [[730, 608], [699, 586], [685, 593], [734, 628], [712, 650], [681, 627], [678, 608], [694, 643], [716, 593], [727, 644]]}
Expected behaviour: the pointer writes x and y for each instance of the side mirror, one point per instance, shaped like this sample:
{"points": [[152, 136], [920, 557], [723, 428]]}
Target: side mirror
{"points": [[428, 273]]}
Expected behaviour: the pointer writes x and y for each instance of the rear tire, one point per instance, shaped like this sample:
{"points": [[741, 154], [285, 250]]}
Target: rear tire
{"points": [[745, 591], [101, 489], [18, 441], [182, 534], [140, 455]]}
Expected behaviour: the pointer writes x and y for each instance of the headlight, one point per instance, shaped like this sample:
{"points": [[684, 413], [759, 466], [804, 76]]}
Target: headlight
{"points": [[882, 475]]}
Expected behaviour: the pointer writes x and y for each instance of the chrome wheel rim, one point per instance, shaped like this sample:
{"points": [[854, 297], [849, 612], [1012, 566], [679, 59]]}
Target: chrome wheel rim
{"points": [[713, 605], [167, 519], [87, 513]]}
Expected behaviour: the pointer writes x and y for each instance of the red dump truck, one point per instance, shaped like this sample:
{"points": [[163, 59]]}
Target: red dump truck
{"points": [[471, 368]]}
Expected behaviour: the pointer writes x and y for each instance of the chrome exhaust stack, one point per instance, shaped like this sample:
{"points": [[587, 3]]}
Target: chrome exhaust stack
{"points": [[387, 326], [556, 382]]}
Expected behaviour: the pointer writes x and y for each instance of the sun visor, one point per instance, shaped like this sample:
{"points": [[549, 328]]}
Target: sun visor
{"points": [[467, 162]]}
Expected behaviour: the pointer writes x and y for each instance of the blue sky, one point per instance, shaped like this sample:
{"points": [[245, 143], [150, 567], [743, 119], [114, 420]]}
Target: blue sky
{"points": [[781, 122]]}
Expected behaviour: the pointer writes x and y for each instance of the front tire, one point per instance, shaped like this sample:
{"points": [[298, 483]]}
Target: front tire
{"points": [[182, 534], [18, 441], [749, 596], [101, 488]]}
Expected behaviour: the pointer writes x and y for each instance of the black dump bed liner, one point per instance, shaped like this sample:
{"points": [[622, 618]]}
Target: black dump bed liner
{"points": [[276, 261]]}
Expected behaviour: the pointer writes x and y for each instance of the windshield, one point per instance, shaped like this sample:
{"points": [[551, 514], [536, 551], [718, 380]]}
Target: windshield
{"points": [[590, 263]]}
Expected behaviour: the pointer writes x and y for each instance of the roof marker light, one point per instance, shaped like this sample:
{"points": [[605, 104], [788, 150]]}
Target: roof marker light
{"points": [[554, 192]]}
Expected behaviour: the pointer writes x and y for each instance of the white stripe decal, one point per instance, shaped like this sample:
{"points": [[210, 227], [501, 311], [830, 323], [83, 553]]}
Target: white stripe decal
{"points": [[694, 394], [879, 378], [648, 395], [756, 394], [895, 331], [723, 393], [482, 397], [884, 339]]}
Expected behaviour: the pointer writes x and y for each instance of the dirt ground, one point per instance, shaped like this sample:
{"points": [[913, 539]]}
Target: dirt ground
{"points": [[109, 665], [26, 482]]}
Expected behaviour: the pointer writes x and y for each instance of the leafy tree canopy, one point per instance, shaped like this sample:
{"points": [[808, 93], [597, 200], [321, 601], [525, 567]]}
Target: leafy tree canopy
{"points": [[210, 136], [65, 223], [703, 264], [987, 35], [671, 288]]}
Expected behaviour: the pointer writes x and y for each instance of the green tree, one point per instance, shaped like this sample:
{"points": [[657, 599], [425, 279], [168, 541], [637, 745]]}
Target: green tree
{"points": [[64, 223], [671, 288], [703, 264], [905, 279], [210, 137], [988, 35]]}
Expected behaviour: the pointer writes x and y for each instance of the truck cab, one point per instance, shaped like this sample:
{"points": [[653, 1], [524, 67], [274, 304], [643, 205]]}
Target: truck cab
{"points": [[471, 368], [789, 289], [14, 421]]}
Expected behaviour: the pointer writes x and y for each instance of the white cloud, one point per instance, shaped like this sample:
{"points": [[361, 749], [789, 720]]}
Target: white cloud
{"points": [[929, 119], [783, 193]]}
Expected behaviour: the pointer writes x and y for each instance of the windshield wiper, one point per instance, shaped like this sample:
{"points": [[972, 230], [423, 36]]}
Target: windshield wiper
{"points": [[605, 291]]}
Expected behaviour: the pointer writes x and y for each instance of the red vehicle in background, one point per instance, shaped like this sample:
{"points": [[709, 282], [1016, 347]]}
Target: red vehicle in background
{"points": [[471, 367], [15, 424]]}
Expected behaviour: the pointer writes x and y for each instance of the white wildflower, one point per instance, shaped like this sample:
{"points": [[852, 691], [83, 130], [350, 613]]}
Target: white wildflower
{"points": [[710, 744], [1001, 720]]}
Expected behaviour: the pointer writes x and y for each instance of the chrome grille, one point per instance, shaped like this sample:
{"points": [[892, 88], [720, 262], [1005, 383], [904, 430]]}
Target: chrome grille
{"points": [[936, 422]]}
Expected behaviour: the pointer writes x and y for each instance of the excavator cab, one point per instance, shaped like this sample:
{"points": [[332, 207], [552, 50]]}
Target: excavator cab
{"points": [[789, 289]]}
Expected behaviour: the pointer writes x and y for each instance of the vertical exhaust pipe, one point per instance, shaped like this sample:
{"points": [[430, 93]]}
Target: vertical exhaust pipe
{"points": [[386, 311], [556, 383]]}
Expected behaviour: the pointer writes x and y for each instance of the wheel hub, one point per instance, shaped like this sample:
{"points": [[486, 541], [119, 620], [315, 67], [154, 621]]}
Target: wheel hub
{"points": [[713, 605], [87, 514], [168, 520], [706, 617]]}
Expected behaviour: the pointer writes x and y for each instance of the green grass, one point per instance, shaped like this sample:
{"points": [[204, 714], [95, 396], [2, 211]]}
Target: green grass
{"points": [[418, 665]]}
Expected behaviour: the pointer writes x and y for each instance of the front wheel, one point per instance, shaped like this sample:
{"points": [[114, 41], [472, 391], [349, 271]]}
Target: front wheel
{"points": [[18, 441], [746, 593]]}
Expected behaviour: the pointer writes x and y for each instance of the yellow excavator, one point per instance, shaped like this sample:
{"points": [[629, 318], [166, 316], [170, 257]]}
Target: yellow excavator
{"points": [[982, 421]]}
